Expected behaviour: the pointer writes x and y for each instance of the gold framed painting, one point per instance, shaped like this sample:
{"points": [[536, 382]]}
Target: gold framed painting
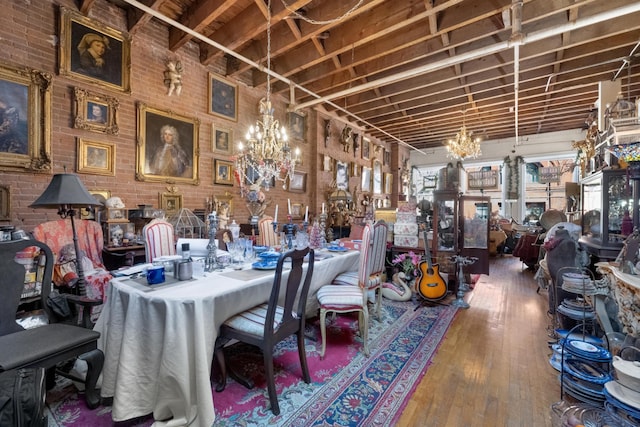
{"points": [[96, 158], [223, 172], [327, 163], [167, 146], [298, 182], [222, 139], [366, 149], [96, 113], [297, 126], [355, 169], [25, 144], [170, 203], [223, 97], [388, 183], [366, 179], [93, 52], [5, 203]]}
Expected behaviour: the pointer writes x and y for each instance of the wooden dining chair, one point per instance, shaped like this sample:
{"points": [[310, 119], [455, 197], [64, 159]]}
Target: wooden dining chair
{"points": [[348, 292], [267, 324], [268, 236], [159, 239]]}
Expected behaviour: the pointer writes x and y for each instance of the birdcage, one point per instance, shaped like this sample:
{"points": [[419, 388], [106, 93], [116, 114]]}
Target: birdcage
{"points": [[186, 224]]}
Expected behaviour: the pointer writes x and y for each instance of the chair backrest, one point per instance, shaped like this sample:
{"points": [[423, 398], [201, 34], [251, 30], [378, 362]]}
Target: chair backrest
{"points": [[15, 257], [159, 239], [372, 253], [58, 234], [296, 288], [268, 237]]}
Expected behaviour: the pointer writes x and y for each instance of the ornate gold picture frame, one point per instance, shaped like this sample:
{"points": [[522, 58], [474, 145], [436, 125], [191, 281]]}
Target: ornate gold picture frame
{"points": [[223, 172], [222, 139], [297, 126], [170, 203], [26, 143], [223, 97], [5, 203], [96, 113], [167, 146], [93, 52], [298, 182], [97, 158], [99, 195]]}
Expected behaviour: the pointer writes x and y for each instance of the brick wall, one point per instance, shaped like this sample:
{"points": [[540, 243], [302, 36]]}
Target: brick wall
{"points": [[29, 32]]}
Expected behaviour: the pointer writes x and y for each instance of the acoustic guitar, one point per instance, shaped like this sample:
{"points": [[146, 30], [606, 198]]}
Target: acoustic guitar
{"points": [[430, 285]]}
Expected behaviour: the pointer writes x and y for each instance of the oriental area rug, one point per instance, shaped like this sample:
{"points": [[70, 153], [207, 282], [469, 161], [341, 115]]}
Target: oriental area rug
{"points": [[346, 389]]}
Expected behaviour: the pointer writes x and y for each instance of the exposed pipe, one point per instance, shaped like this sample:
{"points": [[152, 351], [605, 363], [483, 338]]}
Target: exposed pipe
{"points": [[625, 62], [501, 46], [517, 40]]}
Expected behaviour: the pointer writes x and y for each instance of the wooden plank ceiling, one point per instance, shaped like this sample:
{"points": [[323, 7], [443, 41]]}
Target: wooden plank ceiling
{"points": [[411, 71]]}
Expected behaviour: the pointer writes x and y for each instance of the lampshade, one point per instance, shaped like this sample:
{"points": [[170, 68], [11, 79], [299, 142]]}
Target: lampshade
{"points": [[65, 189]]}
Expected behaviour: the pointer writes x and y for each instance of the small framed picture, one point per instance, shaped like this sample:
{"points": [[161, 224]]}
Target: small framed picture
{"points": [[366, 147], [298, 182], [5, 203], [355, 169], [97, 158], [223, 97], [222, 139], [223, 172], [387, 157], [297, 126], [327, 163], [366, 179], [296, 210], [96, 113], [91, 213], [170, 203]]}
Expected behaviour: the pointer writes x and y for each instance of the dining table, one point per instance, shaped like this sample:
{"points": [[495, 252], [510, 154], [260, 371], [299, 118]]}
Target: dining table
{"points": [[158, 340]]}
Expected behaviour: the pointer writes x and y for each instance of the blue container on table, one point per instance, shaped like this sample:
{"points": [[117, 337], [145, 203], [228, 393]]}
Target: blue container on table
{"points": [[155, 275]]}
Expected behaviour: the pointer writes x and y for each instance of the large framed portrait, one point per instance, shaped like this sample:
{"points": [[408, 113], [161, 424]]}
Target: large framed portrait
{"points": [[366, 179], [93, 52], [342, 175], [25, 110], [223, 172], [223, 97], [298, 182], [377, 177], [96, 113], [96, 158], [297, 126], [167, 146], [222, 139]]}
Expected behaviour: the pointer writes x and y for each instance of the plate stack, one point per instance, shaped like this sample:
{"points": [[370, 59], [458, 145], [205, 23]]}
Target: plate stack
{"points": [[576, 309], [583, 372], [623, 394], [578, 283]]}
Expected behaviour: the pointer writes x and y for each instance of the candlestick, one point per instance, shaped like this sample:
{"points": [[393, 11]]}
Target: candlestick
{"points": [[289, 205], [306, 214], [322, 207], [275, 216]]}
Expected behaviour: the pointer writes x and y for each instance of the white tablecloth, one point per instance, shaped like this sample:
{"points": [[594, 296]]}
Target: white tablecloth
{"points": [[158, 341]]}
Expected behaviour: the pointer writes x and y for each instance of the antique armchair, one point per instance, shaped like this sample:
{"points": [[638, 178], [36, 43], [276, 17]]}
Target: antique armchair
{"points": [[159, 239], [349, 291], [268, 236], [267, 324], [48, 345], [58, 236]]}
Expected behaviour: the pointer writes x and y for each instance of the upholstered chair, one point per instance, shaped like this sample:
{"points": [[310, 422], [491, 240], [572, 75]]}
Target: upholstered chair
{"points": [[159, 239], [268, 237]]}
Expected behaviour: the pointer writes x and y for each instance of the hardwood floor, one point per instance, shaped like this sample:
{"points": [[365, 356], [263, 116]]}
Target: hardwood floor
{"points": [[492, 368]]}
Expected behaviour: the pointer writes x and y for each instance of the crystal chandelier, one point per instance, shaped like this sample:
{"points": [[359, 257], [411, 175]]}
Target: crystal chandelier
{"points": [[464, 146], [267, 154]]}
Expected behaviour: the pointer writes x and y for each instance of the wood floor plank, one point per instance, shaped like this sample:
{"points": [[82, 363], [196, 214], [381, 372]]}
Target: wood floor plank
{"points": [[492, 368]]}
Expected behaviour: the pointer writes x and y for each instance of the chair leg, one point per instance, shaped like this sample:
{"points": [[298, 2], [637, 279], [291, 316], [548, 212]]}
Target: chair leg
{"points": [[222, 381], [364, 329], [302, 353], [271, 384], [323, 331], [95, 361]]}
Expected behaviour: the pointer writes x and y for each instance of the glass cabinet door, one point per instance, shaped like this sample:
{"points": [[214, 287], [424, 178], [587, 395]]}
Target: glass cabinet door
{"points": [[445, 213], [474, 213]]}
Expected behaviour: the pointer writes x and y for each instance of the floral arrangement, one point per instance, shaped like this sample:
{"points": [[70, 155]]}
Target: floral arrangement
{"points": [[408, 264]]}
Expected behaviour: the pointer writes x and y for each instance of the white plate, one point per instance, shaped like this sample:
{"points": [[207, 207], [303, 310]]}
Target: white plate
{"points": [[623, 394], [584, 346]]}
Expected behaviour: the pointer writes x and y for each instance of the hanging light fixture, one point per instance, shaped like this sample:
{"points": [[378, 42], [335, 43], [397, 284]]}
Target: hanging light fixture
{"points": [[267, 155], [464, 146]]}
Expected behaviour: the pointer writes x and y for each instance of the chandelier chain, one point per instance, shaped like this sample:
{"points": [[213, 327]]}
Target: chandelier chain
{"points": [[268, 50], [325, 22]]}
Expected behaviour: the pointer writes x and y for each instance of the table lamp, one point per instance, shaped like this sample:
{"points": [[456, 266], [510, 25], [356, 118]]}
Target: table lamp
{"points": [[65, 193]]}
